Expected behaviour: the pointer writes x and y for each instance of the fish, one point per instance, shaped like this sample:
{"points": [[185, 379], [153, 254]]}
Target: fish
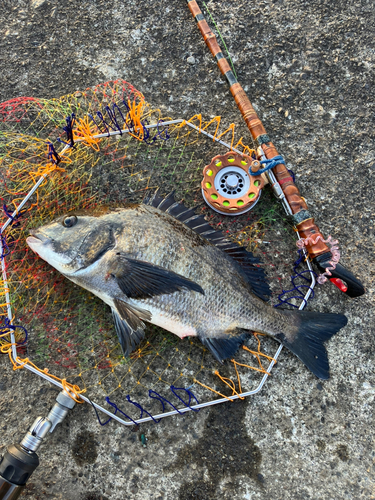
{"points": [[159, 262]]}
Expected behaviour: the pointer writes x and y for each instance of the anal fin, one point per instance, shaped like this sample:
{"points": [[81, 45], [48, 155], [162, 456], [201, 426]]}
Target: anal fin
{"points": [[224, 347]]}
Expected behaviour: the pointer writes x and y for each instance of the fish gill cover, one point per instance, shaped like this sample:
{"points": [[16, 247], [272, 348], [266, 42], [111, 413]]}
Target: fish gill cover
{"points": [[70, 332]]}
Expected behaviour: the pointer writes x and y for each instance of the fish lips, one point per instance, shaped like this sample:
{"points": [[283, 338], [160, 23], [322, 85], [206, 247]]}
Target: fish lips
{"points": [[45, 248], [37, 239]]}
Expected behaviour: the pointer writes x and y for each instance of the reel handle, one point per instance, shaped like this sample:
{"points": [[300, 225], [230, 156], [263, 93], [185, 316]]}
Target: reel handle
{"points": [[354, 286]]}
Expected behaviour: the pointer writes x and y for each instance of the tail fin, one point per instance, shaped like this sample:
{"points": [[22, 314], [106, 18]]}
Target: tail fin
{"points": [[313, 329]]}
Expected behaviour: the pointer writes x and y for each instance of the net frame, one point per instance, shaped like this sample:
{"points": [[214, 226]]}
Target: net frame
{"points": [[43, 374]]}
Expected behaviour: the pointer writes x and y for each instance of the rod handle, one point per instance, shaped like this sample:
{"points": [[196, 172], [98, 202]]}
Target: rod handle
{"points": [[9, 491], [16, 467]]}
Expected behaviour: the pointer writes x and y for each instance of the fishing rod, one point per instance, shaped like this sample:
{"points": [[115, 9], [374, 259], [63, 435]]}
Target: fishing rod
{"points": [[280, 178]]}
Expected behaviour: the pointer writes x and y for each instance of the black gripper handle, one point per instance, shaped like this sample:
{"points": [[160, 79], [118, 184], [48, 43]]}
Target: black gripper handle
{"points": [[355, 287]]}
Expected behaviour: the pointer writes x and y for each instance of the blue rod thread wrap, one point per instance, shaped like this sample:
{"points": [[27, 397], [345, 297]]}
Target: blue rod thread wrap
{"points": [[268, 165], [53, 156], [189, 393], [8, 243]]}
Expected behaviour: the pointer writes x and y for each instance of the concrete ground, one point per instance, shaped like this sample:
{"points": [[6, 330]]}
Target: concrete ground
{"points": [[308, 67]]}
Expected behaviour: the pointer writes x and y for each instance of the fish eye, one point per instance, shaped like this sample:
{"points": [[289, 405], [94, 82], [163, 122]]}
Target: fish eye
{"points": [[70, 221]]}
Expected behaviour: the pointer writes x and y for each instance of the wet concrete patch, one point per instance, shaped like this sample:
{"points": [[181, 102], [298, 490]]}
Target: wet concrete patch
{"points": [[342, 452], [84, 448], [224, 452], [93, 496]]}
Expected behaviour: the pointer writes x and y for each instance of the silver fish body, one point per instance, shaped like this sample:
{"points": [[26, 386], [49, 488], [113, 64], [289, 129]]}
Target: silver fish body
{"points": [[159, 262]]}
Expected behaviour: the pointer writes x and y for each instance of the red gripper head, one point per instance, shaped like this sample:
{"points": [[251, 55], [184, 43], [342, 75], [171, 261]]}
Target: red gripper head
{"points": [[339, 283]]}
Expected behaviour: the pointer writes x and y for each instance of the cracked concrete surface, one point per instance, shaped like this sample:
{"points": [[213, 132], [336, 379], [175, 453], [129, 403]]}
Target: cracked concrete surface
{"points": [[308, 67]]}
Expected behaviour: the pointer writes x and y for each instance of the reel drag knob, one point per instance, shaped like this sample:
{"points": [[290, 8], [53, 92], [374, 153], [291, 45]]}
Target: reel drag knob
{"points": [[229, 185]]}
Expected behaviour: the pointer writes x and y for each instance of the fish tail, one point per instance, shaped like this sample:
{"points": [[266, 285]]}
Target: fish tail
{"points": [[312, 329]]}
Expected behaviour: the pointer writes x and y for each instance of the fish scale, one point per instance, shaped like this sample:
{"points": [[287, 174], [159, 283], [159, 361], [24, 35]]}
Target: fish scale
{"points": [[224, 304], [159, 262]]}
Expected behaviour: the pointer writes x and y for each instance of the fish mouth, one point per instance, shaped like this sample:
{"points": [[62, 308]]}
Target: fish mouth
{"points": [[37, 238]]}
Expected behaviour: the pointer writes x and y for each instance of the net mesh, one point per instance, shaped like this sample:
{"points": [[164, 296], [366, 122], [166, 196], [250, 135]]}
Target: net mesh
{"points": [[70, 331]]}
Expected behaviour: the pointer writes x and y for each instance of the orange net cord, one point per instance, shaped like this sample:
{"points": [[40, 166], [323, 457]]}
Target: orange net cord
{"points": [[84, 132], [259, 353], [72, 390], [213, 390], [216, 136], [229, 382]]}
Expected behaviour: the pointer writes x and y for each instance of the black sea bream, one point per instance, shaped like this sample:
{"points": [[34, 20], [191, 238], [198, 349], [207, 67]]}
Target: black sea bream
{"points": [[159, 262]]}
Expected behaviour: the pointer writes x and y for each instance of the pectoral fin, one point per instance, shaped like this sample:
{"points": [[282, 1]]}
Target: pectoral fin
{"points": [[142, 280], [129, 325]]}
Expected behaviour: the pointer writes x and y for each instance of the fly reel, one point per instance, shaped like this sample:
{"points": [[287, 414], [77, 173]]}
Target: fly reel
{"points": [[227, 186]]}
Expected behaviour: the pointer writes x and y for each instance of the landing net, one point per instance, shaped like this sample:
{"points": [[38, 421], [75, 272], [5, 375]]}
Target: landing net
{"points": [[108, 145]]}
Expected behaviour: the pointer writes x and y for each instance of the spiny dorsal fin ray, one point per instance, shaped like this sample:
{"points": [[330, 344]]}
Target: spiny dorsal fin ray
{"points": [[167, 202], [256, 276]]}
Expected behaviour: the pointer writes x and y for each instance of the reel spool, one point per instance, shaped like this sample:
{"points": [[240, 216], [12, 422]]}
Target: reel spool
{"points": [[227, 186]]}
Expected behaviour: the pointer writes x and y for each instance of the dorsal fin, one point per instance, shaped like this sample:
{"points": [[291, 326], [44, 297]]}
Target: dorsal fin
{"points": [[256, 276]]}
